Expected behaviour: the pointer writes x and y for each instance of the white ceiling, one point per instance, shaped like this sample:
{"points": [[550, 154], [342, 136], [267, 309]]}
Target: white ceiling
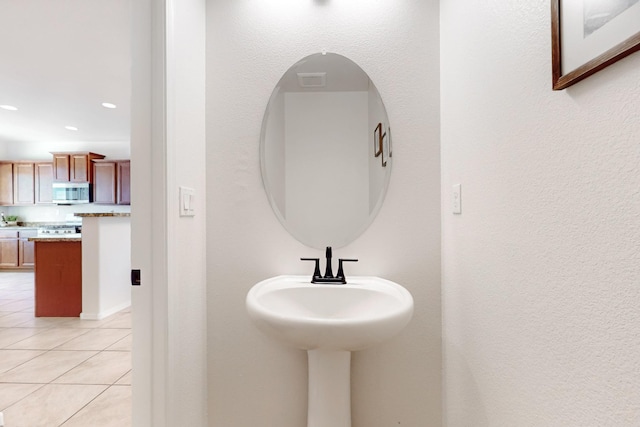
{"points": [[59, 61]]}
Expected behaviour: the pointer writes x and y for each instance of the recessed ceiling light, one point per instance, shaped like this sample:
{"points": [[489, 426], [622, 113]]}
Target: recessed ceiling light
{"points": [[73, 128], [108, 105], [9, 107]]}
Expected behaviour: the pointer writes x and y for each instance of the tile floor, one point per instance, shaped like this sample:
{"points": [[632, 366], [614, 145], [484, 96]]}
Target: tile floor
{"points": [[58, 371]]}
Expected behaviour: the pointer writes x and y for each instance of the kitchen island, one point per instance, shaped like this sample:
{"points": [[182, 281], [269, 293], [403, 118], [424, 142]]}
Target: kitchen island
{"points": [[58, 276], [106, 263]]}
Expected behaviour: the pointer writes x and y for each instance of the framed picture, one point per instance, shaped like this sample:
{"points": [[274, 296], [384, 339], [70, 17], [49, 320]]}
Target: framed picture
{"points": [[377, 140], [379, 135], [589, 35]]}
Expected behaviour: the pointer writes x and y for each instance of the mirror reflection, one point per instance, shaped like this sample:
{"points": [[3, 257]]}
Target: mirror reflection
{"points": [[325, 150]]}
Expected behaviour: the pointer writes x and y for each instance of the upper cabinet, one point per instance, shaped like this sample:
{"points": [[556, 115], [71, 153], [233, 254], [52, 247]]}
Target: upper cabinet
{"points": [[6, 183], [30, 182], [74, 167], [44, 179], [111, 182], [25, 183], [123, 193]]}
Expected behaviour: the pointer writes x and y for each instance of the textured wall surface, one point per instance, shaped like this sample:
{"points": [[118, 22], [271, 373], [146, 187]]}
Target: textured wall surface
{"points": [[541, 271], [254, 381]]}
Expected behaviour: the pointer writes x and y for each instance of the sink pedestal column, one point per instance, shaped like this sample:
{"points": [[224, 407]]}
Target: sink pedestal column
{"points": [[329, 388]]}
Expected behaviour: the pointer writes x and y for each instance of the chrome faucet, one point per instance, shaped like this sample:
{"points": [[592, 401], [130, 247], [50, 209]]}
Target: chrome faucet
{"points": [[328, 272]]}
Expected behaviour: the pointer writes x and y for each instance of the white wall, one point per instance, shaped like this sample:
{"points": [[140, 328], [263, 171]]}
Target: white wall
{"points": [[168, 144], [106, 266], [185, 162], [541, 271], [253, 380]]}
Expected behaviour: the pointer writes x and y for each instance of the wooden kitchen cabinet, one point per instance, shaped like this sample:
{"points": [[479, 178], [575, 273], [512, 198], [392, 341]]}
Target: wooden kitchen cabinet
{"points": [[8, 249], [123, 193], [58, 278], [23, 183], [16, 251], [43, 182], [74, 167], [6, 183], [26, 249], [60, 167], [111, 182]]}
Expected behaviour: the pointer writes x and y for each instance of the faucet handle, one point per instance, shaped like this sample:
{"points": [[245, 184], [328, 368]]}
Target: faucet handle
{"points": [[316, 271], [328, 273], [340, 274]]}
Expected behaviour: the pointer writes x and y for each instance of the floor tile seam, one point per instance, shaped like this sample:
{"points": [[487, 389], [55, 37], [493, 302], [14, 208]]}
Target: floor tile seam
{"points": [[84, 406], [41, 355], [123, 375], [22, 382], [71, 339], [38, 333], [27, 395], [105, 348], [108, 348], [20, 364], [20, 325], [73, 367], [107, 384], [76, 366]]}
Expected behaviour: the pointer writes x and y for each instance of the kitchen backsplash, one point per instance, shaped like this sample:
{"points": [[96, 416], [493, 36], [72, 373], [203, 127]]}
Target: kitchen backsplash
{"points": [[58, 213]]}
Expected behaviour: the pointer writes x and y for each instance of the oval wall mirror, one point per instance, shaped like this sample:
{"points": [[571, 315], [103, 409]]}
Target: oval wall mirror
{"points": [[325, 150]]}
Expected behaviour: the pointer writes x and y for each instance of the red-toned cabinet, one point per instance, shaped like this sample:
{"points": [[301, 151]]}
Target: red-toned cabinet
{"points": [[74, 167], [111, 182]]}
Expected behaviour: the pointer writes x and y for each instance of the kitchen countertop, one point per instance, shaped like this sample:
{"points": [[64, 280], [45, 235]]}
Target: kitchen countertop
{"points": [[18, 227], [101, 214], [59, 238]]}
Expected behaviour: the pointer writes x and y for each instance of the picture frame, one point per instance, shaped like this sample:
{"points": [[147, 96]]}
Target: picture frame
{"points": [[585, 38], [377, 137]]}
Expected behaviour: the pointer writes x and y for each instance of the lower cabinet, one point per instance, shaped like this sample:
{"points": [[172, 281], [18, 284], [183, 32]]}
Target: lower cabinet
{"points": [[16, 251], [8, 249], [26, 249]]}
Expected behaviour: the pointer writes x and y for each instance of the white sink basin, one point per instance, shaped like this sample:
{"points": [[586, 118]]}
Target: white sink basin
{"points": [[329, 321], [364, 312]]}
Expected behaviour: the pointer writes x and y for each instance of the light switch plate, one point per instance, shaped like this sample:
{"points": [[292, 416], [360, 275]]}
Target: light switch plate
{"points": [[457, 199], [187, 201]]}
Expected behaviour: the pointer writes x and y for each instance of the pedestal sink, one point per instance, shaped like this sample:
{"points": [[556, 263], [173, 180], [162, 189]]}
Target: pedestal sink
{"points": [[329, 321]]}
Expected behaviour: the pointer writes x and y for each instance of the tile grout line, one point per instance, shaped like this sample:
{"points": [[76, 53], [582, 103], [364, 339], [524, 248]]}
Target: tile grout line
{"points": [[42, 327]]}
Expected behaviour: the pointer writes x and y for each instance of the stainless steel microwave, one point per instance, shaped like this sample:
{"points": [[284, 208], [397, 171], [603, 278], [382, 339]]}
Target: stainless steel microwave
{"points": [[67, 193]]}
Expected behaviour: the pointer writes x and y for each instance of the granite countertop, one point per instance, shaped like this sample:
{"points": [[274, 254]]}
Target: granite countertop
{"points": [[60, 238], [101, 214]]}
